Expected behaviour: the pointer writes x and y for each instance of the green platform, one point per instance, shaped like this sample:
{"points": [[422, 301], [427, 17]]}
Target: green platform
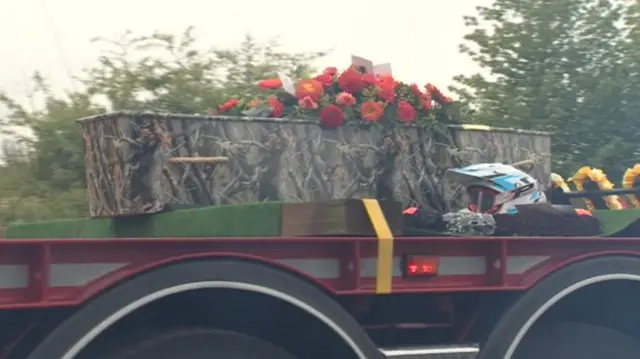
{"points": [[624, 222], [246, 220]]}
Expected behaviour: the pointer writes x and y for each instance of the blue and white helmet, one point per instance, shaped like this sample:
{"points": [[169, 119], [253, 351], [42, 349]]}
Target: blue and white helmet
{"points": [[497, 188]]}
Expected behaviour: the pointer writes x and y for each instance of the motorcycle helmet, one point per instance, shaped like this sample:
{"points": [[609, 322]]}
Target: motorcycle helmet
{"points": [[497, 188]]}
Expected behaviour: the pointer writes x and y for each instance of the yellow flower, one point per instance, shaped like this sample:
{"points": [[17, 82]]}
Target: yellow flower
{"points": [[558, 182], [578, 179], [597, 176], [629, 181]]}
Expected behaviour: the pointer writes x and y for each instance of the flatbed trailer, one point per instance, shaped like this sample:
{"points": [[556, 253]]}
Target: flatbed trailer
{"points": [[319, 297], [264, 293]]}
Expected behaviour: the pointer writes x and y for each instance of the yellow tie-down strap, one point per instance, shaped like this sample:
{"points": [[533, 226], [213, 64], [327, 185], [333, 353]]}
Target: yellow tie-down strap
{"points": [[384, 266]]}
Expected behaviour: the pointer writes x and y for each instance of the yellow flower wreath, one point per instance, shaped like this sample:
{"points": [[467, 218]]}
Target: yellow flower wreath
{"points": [[629, 181], [600, 178]]}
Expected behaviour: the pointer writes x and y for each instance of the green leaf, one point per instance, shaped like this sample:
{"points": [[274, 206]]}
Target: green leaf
{"points": [[258, 111]]}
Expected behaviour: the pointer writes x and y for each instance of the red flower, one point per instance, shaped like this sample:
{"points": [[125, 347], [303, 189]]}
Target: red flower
{"points": [[425, 101], [325, 79], [416, 91], [270, 84], [371, 111], [331, 116], [437, 94], [277, 109], [386, 91], [309, 88], [307, 103], [431, 89], [331, 71], [369, 79], [406, 112], [351, 81], [345, 99], [231, 103]]}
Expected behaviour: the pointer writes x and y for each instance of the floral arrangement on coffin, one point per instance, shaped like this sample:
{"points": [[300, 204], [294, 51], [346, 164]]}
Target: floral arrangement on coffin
{"points": [[336, 98]]}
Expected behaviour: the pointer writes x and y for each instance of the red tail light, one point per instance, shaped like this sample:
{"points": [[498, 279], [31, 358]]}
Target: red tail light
{"points": [[420, 266]]}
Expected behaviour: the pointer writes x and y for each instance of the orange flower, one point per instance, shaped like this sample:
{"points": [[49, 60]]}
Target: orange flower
{"points": [[369, 79], [331, 71], [351, 81], [386, 80], [325, 79], [231, 103], [307, 103], [270, 84], [345, 99], [331, 116], [371, 111], [277, 109], [309, 88], [406, 113], [386, 91]]}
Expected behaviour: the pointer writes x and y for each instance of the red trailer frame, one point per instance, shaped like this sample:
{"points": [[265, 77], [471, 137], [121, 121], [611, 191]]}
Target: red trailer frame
{"points": [[66, 272]]}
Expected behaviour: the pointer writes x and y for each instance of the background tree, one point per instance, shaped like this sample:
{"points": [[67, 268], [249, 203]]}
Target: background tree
{"points": [[43, 175], [559, 66]]}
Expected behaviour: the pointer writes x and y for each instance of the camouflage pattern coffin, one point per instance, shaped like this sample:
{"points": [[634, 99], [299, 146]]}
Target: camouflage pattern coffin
{"points": [[139, 163]]}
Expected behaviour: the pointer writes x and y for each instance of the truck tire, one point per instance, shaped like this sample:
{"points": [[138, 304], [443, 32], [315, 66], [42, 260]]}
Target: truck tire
{"points": [[515, 326], [200, 343], [76, 333], [578, 340]]}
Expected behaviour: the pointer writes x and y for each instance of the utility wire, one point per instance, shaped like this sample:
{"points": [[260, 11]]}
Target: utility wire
{"points": [[26, 84], [64, 59]]}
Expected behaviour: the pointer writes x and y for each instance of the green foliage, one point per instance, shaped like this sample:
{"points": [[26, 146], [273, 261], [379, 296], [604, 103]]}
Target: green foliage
{"points": [[561, 66], [42, 176]]}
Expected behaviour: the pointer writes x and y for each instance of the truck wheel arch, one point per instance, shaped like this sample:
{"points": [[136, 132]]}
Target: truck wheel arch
{"points": [[525, 312], [116, 277], [546, 268], [82, 327]]}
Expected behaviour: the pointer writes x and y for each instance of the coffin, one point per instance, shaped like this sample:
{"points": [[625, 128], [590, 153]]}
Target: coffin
{"points": [[139, 163]]}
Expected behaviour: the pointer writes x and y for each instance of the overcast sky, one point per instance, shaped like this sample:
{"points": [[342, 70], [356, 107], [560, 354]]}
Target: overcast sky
{"points": [[418, 37]]}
